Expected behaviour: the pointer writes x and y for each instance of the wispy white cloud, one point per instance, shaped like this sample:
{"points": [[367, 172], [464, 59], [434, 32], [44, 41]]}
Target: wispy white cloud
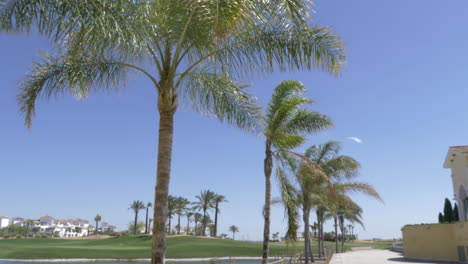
{"points": [[355, 139]]}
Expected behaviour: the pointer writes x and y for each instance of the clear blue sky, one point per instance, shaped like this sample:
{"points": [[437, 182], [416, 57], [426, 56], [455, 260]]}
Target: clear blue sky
{"points": [[403, 93]]}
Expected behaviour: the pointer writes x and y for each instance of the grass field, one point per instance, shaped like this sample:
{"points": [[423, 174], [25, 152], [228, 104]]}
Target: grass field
{"points": [[129, 247]]}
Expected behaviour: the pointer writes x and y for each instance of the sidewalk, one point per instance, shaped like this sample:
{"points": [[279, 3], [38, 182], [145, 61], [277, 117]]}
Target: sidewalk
{"points": [[373, 256]]}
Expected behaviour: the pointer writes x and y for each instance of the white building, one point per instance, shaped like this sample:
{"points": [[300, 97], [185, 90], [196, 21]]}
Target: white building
{"points": [[4, 222], [457, 160]]}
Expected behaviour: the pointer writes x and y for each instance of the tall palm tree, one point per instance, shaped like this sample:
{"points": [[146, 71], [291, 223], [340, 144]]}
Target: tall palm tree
{"points": [[189, 215], [341, 170], [198, 218], [217, 200], [148, 205], [234, 229], [205, 202], [171, 206], [285, 125], [180, 207], [188, 49], [97, 219], [136, 206]]}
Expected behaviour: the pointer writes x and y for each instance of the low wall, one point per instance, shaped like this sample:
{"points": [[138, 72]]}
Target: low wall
{"points": [[437, 241]]}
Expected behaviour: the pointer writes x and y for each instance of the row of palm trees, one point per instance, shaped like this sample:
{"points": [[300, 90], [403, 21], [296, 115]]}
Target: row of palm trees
{"points": [[320, 179], [200, 51], [180, 206]]}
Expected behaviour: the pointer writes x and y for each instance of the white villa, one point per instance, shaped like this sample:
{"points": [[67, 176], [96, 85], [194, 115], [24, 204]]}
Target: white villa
{"points": [[47, 225], [457, 160]]}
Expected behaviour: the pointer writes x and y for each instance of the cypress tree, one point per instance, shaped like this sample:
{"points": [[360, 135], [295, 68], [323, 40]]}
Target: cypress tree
{"points": [[455, 213], [448, 211], [441, 218]]}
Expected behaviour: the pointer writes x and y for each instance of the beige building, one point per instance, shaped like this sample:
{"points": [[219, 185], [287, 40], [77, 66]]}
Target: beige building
{"points": [[457, 160]]}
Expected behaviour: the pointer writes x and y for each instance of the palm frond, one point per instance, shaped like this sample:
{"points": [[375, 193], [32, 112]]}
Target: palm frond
{"points": [[289, 200], [54, 75], [298, 49], [218, 95], [359, 187], [307, 122]]}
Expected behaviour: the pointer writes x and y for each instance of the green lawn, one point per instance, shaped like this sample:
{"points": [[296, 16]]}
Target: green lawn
{"points": [[139, 247]]}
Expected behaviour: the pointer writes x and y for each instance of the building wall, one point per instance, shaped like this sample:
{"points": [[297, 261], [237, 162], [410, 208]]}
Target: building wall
{"points": [[437, 241], [460, 180]]}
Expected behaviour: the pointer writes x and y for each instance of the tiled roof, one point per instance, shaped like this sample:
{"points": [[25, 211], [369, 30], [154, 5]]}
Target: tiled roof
{"points": [[46, 218]]}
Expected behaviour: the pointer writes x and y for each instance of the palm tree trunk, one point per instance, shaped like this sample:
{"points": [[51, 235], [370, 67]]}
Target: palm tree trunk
{"points": [[267, 167], [342, 232], [188, 226], [216, 220], [146, 222], [204, 222], [166, 132], [135, 224], [96, 227], [336, 234], [318, 234], [178, 225], [195, 228], [305, 218]]}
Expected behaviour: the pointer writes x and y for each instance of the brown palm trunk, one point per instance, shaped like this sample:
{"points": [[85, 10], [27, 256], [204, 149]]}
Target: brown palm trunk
{"points": [[204, 222], [146, 222], [336, 234], [216, 220], [267, 167], [167, 105], [341, 219], [135, 224], [188, 226], [178, 225]]}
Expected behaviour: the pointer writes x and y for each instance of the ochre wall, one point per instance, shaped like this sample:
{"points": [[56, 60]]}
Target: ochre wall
{"points": [[437, 241]]}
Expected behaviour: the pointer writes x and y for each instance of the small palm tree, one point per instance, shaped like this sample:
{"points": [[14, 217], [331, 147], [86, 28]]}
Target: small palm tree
{"points": [[172, 203], [97, 219], [285, 125], [217, 200], [180, 207], [136, 206], [148, 205], [198, 218], [234, 229], [189, 215], [205, 202]]}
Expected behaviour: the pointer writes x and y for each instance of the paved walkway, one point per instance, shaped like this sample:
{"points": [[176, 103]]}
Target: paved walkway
{"points": [[372, 257]]}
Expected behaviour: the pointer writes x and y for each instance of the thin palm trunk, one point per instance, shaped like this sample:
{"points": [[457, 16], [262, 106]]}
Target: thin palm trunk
{"points": [[268, 167], [178, 225], [195, 228], [188, 225], [146, 222], [97, 227], [336, 234], [307, 244], [341, 219], [216, 220], [204, 222], [166, 132], [135, 224]]}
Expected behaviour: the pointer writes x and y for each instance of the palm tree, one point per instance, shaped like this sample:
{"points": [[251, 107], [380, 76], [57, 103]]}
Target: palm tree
{"points": [[198, 218], [205, 202], [97, 219], [217, 200], [285, 125], [341, 170], [180, 207], [172, 203], [188, 214], [188, 49], [234, 229], [148, 205], [136, 206]]}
